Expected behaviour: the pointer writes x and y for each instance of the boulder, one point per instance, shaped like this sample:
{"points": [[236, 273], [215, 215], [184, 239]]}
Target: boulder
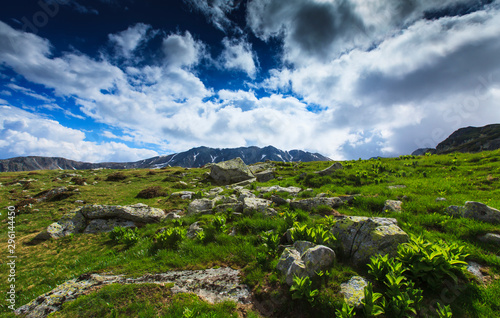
{"points": [[392, 206], [137, 213], [203, 206], [71, 223], [185, 195], [193, 230], [476, 211], [264, 176], [363, 237], [330, 170], [258, 205], [304, 259], [173, 215], [291, 190], [101, 225], [354, 290], [491, 238], [230, 172], [312, 203]]}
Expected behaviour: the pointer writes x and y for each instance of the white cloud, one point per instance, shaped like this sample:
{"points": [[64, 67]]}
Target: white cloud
{"points": [[182, 50], [127, 41], [23, 133], [29, 92], [216, 11], [238, 55]]}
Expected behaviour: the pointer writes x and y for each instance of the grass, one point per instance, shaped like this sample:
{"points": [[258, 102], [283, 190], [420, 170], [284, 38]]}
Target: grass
{"points": [[39, 268]]}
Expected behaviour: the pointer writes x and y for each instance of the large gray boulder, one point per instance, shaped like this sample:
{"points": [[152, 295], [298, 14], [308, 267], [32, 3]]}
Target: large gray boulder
{"points": [[71, 223], [312, 203], [304, 260], [230, 172], [203, 206], [476, 211], [362, 237], [330, 170], [251, 205], [139, 212]]}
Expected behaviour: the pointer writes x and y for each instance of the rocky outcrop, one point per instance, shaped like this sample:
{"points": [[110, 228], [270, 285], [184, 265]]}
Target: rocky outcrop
{"points": [[212, 285], [252, 205], [92, 219], [230, 172], [304, 259], [476, 211], [291, 190], [203, 206], [354, 290], [490, 238], [312, 203], [330, 170], [392, 206], [363, 237]]}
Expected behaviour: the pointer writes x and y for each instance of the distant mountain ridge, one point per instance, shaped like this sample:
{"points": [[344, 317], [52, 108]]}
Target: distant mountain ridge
{"points": [[468, 139], [193, 158]]}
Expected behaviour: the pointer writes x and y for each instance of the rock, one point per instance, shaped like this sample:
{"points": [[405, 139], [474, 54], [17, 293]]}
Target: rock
{"points": [[396, 187], [214, 285], [79, 202], [193, 230], [363, 237], [392, 206], [245, 193], [212, 193], [291, 190], [279, 200], [258, 205], [100, 225], [184, 195], [440, 199], [312, 203], [173, 215], [354, 290], [304, 259], [71, 223], [264, 176], [330, 170], [259, 167], [203, 206], [47, 195], [475, 269], [243, 183], [137, 213], [491, 238], [230, 172], [476, 211]]}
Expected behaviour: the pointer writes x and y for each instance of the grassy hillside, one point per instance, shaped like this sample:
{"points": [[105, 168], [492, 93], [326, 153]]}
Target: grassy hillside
{"points": [[456, 177]]}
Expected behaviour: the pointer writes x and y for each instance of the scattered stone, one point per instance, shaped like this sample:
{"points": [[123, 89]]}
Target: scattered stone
{"points": [[330, 170], [258, 205], [212, 285], [101, 225], [79, 202], [245, 193], [203, 206], [139, 212], [312, 203], [304, 259], [193, 230], [392, 206], [54, 194], [278, 200], [230, 172], [363, 237], [173, 215], [259, 167], [491, 238], [476, 211], [184, 195], [264, 176], [396, 187], [440, 199], [291, 190], [212, 193], [354, 290]]}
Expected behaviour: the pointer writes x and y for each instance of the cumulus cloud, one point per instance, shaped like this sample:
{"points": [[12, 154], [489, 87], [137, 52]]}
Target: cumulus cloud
{"points": [[23, 133], [182, 50], [238, 55], [127, 41]]}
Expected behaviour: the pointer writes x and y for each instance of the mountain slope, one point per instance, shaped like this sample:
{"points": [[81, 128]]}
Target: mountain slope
{"points": [[193, 158], [468, 139]]}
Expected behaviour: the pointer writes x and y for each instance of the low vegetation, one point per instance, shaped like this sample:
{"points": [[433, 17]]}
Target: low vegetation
{"points": [[427, 277]]}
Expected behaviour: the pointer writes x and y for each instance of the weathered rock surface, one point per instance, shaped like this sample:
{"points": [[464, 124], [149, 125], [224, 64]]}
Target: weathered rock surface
{"points": [[258, 205], [291, 190], [476, 211], [491, 238], [264, 176], [230, 172], [213, 285], [304, 259], [193, 230], [363, 237], [312, 203], [354, 290], [101, 218], [392, 206], [330, 170], [200, 206]]}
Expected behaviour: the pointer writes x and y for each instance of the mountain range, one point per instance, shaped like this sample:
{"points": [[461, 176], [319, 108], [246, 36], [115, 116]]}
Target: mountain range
{"points": [[193, 158], [468, 139]]}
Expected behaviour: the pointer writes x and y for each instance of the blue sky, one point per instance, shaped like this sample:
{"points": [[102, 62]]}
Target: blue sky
{"points": [[124, 80]]}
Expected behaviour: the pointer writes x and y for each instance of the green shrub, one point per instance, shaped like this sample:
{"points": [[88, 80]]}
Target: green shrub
{"points": [[117, 176], [316, 235], [219, 223], [125, 235], [170, 238], [152, 192], [301, 289]]}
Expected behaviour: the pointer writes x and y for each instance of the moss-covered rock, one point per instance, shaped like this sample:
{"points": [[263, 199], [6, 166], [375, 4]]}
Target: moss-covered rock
{"points": [[354, 290]]}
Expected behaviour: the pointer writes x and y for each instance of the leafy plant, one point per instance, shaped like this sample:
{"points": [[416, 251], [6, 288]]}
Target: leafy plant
{"points": [[370, 307], [219, 223], [170, 238], [444, 311], [301, 288], [271, 241], [345, 312], [124, 235], [317, 234]]}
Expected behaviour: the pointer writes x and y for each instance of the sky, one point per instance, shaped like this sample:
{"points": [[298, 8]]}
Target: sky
{"points": [[125, 80]]}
